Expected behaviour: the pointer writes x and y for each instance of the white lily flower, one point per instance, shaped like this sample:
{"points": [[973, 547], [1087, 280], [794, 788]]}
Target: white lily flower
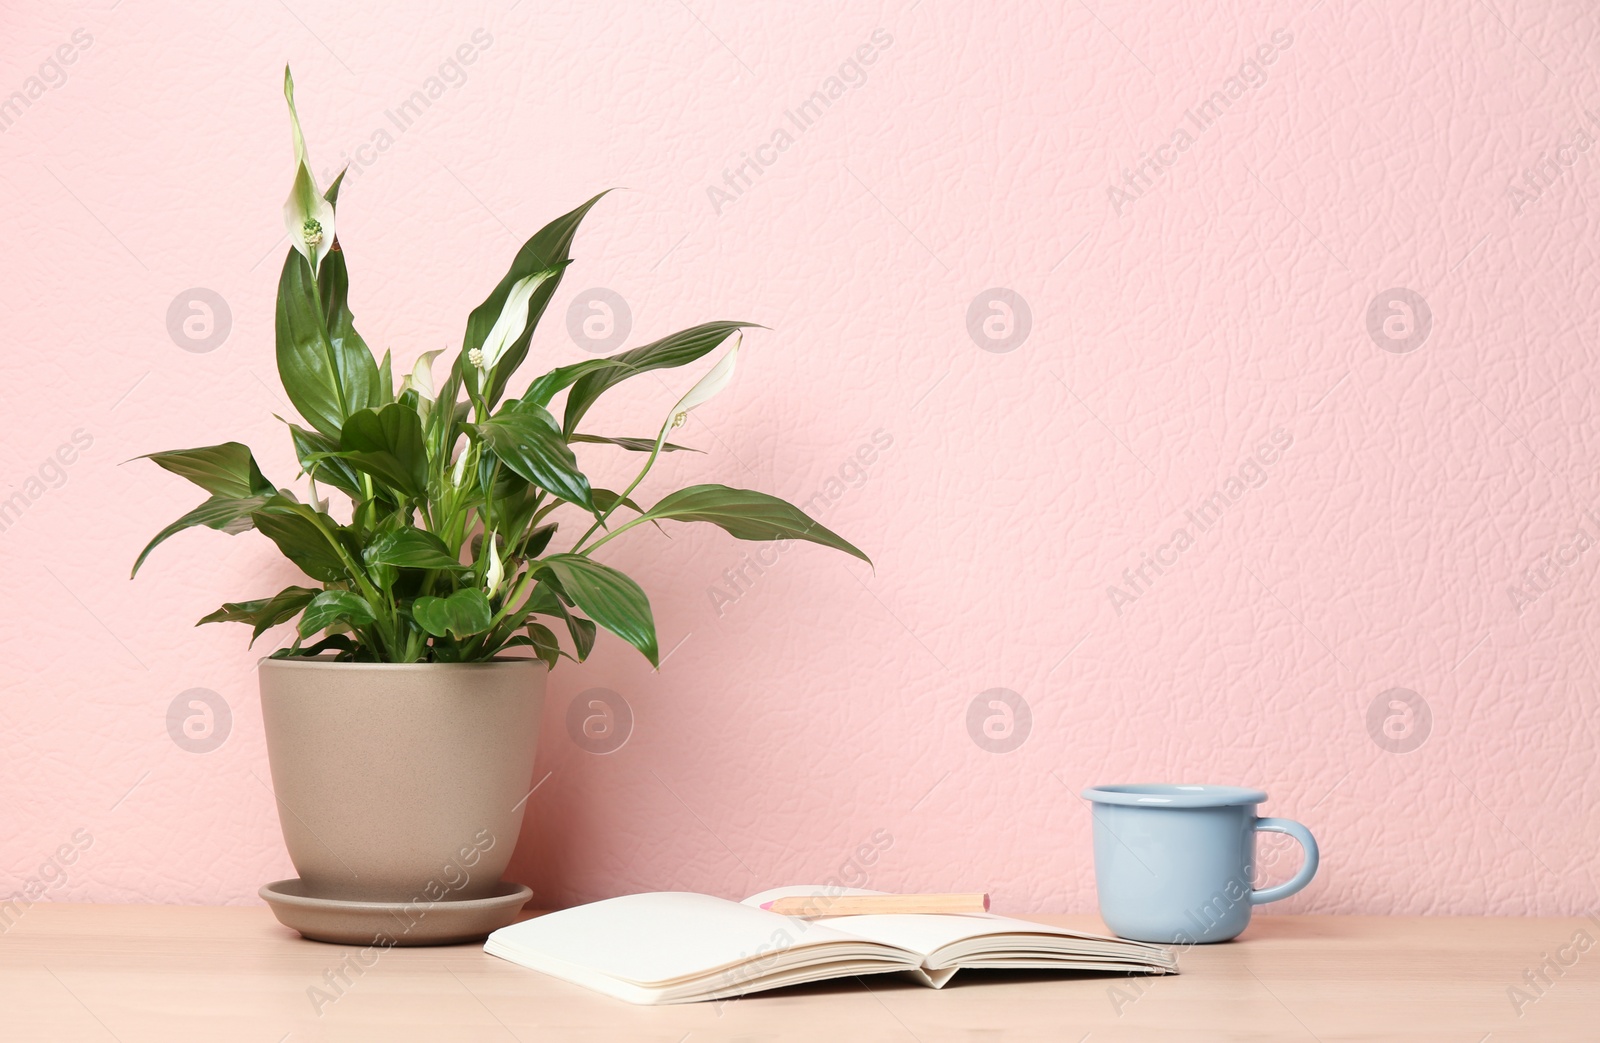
{"points": [[707, 388], [496, 572], [421, 376], [512, 321], [308, 216], [460, 468]]}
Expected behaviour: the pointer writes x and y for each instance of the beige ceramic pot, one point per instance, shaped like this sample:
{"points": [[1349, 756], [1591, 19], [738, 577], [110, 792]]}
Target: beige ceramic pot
{"points": [[401, 782]]}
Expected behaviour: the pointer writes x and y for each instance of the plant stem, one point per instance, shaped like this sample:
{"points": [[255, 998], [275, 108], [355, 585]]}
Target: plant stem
{"points": [[512, 599], [625, 493], [387, 623], [618, 531]]}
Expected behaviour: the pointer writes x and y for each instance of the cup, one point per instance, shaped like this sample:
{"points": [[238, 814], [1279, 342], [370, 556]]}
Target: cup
{"points": [[1175, 864]]}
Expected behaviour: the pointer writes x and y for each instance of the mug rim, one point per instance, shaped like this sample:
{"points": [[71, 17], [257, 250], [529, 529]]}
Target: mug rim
{"points": [[1173, 795]]}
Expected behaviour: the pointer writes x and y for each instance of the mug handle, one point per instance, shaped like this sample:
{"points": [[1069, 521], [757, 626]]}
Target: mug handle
{"points": [[1307, 870]]}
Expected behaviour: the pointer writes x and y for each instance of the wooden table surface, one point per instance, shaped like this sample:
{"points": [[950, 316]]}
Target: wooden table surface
{"points": [[171, 973]]}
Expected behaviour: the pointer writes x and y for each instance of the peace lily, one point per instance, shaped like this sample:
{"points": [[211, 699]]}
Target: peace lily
{"points": [[512, 321], [307, 215], [421, 376], [420, 380], [704, 390], [463, 494], [496, 570]]}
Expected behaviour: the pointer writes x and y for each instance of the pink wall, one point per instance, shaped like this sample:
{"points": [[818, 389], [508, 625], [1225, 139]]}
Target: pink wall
{"points": [[822, 706]]}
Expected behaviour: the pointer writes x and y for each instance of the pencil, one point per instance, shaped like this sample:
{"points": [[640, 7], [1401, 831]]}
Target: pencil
{"points": [[870, 905]]}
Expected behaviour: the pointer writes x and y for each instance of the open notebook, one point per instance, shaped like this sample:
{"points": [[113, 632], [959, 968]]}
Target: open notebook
{"points": [[678, 947]]}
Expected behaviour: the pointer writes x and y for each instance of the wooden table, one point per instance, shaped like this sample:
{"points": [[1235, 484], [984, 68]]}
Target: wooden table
{"points": [[170, 973]]}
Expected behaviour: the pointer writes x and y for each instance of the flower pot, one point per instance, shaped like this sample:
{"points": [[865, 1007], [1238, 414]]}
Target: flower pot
{"points": [[401, 782]]}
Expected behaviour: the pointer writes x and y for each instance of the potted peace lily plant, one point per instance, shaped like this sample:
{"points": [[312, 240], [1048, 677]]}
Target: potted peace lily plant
{"points": [[400, 732]]}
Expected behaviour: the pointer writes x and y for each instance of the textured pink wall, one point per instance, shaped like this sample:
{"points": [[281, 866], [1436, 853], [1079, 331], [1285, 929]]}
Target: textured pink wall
{"points": [[1016, 465]]}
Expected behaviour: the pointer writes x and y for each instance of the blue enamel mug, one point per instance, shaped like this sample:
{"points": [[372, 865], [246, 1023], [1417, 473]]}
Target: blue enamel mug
{"points": [[1176, 864]]}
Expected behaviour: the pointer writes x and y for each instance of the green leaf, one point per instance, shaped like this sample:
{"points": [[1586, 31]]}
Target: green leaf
{"points": [[679, 349], [387, 444], [606, 499], [749, 515], [637, 445], [226, 470], [229, 514], [386, 380], [331, 607], [542, 390], [515, 501], [529, 443], [461, 615], [333, 286], [302, 534], [265, 613], [332, 194], [318, 458], [249, 611], [611, 598], [411, 549], [583, 633], [341, 642], [325, 381], [539, 539], [280, 609], [547, 601], [545, 645], [549, 248]]}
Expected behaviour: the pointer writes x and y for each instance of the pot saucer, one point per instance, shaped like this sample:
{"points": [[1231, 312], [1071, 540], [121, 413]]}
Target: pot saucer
{"points": [[386, 924]]}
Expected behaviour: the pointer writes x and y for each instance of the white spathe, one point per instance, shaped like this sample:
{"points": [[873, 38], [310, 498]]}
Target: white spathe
{"points": [[306, 214], [513, 318]]}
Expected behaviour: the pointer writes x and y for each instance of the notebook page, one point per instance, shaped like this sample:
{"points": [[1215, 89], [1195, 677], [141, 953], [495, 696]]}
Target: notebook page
{"points": [[920, 934], [660, 938]]}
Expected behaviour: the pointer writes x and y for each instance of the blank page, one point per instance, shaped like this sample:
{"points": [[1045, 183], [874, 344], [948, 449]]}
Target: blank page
{"points": [[661, 938], [921, 933]]}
